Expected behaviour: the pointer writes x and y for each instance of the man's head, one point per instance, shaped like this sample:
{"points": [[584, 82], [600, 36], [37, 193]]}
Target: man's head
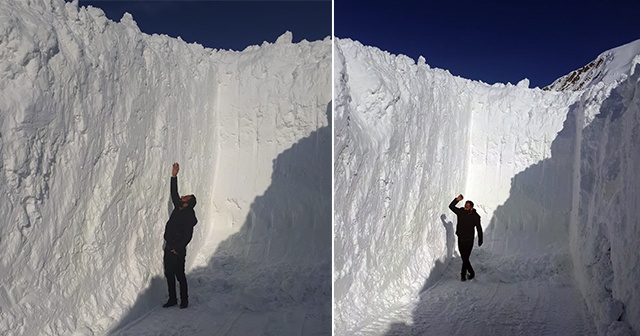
{"points": [[468, 205], [188, 201]]}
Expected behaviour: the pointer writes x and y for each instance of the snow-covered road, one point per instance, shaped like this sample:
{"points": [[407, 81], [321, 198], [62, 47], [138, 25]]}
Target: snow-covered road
{"points": [[511, 295], [234, 297], [210, 319]]}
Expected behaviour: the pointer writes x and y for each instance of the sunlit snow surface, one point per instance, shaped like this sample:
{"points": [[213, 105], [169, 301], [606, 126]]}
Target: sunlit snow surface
{"points": [[551, 173], [92, 115]]}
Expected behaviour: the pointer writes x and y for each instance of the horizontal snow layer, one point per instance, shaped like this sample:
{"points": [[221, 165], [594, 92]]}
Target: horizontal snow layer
{"points": [[518, 153], [93, 113]]}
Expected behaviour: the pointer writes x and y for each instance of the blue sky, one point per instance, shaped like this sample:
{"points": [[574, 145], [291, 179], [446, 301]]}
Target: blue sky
{"points": [[225, 24], [493, 41]]}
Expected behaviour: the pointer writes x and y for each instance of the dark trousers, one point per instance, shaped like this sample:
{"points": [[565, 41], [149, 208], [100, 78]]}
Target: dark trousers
{"points": [[174, 269], [465, 247]]}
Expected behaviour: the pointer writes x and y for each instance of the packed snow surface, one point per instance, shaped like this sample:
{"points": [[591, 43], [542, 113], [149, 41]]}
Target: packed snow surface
{"points": [[551, 172], [92, 115]]}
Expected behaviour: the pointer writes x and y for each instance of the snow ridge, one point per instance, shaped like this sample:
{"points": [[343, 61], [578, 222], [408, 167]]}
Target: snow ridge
{"points": [[608, 68]]}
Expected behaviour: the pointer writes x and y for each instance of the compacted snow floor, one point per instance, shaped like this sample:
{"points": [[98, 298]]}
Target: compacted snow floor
{"points": [[210, 319], [512, 294], [225, 300]]}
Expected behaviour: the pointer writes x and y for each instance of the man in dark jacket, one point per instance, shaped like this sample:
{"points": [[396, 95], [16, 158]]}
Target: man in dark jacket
{"points": [[177, 234], [468, 219]]}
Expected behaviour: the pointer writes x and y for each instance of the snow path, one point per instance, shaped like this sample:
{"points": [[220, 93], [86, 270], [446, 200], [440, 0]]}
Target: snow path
{"points": [[511, 295], [210, 319]]}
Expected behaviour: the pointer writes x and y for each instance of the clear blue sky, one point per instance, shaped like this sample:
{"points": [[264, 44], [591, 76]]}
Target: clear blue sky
{"points": [[493, 41], [225, 24]]}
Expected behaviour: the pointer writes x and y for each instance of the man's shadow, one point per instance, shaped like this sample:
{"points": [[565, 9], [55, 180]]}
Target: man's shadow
{"points": [[451, 238], [440, 267]]}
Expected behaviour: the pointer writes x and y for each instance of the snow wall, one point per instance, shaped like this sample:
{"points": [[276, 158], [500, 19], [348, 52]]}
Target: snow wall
{"points": [[92, 115], [409, 138], [399, 147]]}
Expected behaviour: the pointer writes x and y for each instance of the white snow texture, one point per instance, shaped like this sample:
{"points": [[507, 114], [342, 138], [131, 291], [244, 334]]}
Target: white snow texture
{"points": [[552, 173], [92, 115]]}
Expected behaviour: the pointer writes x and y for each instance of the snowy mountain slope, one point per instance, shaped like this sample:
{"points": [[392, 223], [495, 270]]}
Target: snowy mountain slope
{"points": [[608, 68], [525, 163], [93, 113]]}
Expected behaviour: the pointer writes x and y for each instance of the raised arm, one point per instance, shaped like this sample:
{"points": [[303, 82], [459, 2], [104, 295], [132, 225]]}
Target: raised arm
{"points": [[175, 197], [452, 205]]}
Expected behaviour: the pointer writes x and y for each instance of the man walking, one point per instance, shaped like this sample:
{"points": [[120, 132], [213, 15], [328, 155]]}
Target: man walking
{"points": [[177, 234], [468, 219]]}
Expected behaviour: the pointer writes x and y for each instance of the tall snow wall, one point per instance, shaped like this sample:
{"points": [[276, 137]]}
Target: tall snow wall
{"points": [[401, 147], [92, 115], [605, 227], [517, 152]]}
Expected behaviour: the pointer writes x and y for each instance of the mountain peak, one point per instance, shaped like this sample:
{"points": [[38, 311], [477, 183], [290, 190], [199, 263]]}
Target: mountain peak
{"points": [[609, 67]]}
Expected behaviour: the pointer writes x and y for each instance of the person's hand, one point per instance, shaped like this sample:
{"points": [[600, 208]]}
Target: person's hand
{"points": [[459, 198], [173, 251], [176, 169]]}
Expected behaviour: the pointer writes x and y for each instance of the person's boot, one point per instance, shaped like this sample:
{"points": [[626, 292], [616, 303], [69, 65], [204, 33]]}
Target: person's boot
{"points": [[170, 303], [184, 292], [472, 275], [184, 299], [171, 285], [463, 277]]}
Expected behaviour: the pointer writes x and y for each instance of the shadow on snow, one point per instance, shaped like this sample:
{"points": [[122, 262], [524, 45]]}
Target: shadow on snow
{"points": [[536, 216], [279, 259]]}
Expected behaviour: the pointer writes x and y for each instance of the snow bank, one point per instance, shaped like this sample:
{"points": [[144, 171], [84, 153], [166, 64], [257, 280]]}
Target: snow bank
{"points": [[520, 154], [522, 194], [605, 226], [93, 113], [400, 157]]}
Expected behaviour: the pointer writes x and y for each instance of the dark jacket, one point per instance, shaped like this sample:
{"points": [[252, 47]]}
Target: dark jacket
{"points": [[467, 221], [179, 228]]}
